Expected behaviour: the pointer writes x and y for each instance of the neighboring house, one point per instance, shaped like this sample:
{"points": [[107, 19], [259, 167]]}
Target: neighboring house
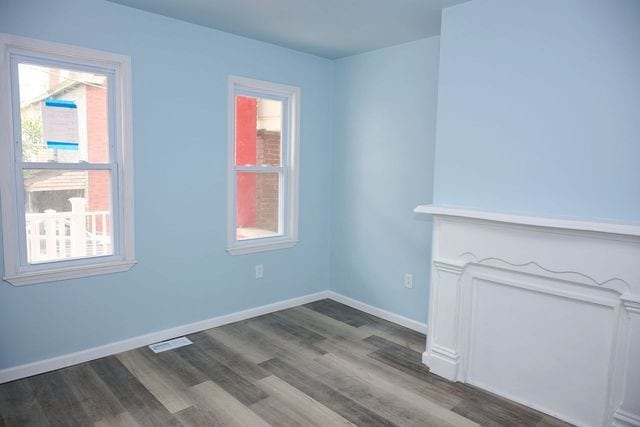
{"points": [[53, 189]]}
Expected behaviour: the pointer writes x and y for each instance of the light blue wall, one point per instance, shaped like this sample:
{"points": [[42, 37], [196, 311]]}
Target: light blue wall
{"points": [[538, 111], [384, 136], [539, 107], [184, 274]]}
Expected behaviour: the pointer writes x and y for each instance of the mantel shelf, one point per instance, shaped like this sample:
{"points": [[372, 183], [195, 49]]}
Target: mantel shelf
{"points": [[601, 226]]}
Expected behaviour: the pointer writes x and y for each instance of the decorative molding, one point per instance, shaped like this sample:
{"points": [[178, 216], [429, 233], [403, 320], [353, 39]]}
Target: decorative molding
{"points": [[625, 419], [632, 305], [447, 352], [548, 270], [449, 266], [58, 362]]}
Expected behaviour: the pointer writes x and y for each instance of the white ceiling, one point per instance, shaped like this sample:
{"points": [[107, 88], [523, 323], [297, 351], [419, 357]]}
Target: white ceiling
{"points": [[328, 28]]}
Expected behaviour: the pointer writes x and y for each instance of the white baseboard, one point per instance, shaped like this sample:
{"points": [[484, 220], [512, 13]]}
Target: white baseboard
{"points": [[384, 314], [58, 362], [441, 365], [38, 367]]}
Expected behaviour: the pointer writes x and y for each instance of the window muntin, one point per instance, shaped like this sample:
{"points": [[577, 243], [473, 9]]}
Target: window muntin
{"points": [[66, 177], [263, 167]]}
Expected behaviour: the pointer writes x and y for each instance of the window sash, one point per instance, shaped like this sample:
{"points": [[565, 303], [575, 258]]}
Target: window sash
{"points": [[282, 170], [18, 56], [283, 194], [285, 136], [282, 205], [287, 218]]}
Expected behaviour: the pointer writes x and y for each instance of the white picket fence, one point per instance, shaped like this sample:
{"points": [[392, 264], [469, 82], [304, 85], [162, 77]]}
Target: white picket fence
{"points": [[61, 235]]}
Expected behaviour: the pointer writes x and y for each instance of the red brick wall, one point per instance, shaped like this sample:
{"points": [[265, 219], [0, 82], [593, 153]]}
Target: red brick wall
{"points": [[99, 191], [267, 185], [268, 148]]}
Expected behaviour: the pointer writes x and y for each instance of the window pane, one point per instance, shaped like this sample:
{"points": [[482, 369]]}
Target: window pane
{"points": [[258, 131], [257, 205], [67, 214], [63, 115]]}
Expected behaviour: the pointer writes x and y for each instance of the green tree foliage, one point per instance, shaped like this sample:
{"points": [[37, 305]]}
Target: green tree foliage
{"points": [[31, 137]]}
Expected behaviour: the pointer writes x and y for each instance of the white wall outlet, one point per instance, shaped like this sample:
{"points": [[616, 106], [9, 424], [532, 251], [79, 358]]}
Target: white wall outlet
{"points": [[259, 271], [408, 280]]}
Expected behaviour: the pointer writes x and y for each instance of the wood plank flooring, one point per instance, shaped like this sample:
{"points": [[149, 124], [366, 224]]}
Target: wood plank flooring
{"points": [[321, 364]]}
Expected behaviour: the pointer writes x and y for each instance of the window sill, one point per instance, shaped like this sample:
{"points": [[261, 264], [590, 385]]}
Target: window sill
{"points": [[53, 275], [249, 249]]}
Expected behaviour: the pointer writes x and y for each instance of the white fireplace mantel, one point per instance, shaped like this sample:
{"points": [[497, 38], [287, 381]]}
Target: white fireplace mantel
{"points": [[541, 310], [612, 227]]}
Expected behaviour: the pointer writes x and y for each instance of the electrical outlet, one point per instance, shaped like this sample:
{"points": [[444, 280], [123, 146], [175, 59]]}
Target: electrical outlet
{"points": [[408, 280], [259, 271]]}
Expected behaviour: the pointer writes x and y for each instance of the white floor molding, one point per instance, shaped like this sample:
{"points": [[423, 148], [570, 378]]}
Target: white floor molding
{"points": [[34, 368], [384, 314], [58, 362]]}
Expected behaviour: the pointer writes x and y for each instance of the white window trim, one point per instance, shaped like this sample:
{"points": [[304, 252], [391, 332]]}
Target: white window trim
{"points": [[290, 193], [14, 272]]}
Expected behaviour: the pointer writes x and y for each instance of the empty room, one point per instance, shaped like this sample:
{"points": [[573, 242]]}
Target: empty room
{"points": [[320, 213]]}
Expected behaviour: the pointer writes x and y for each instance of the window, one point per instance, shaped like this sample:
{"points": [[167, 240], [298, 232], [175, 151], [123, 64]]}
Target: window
{"points": [[263, 166], [67, 189]]}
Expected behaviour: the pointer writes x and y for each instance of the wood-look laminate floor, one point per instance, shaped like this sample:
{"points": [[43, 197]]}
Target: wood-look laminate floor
{"points": [[321, 364]]}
